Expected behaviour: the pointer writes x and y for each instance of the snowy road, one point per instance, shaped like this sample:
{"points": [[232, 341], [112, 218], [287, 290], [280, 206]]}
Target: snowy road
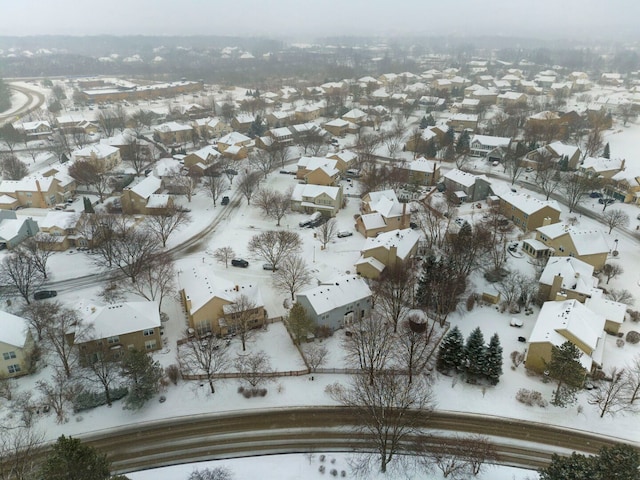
{"points": [[29, 101]]}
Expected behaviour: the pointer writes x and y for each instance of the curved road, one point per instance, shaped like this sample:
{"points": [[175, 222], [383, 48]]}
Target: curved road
{"points": [[306, 429], [35, 100]]}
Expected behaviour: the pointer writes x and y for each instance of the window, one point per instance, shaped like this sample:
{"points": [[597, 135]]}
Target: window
{"points": [[9, 355], [13, 368], [112, 340], [148, 332], [561, 248], [150, 344]]}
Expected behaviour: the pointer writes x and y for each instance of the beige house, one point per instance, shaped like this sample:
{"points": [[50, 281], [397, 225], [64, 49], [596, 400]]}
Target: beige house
{"points": [[235, 145], [318, 171], [382, 212], [422, 171], [310, 198], [16, 346], [214, 304], [600, 167], [241, 123], [204, 156], [625, 187], [35, 130], [527, 212], [36, 192], [135, 199], [590, 246], [463, 121], [387, 250], [59, 231], [174, 132], [104, 156], [306, 113], [567, 278], [345, 159]]}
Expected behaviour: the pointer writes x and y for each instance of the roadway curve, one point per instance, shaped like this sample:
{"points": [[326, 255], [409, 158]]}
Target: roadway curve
{"points": [[217, 436], [34, 100]]}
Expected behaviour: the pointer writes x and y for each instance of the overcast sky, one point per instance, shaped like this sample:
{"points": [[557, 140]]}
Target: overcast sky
{"points": [[306, 19]]}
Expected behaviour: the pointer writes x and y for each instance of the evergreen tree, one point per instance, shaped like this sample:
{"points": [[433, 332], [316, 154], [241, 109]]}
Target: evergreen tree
{"points": [[430, 120], [300, 324], [618, 462], [563, 163], [494, 360], [607, 151], [143, 374], [575, 467], [88, 208], [451, 352], [69, 459], [257, 128], [449, 137], [566, 369], [475, 354], [424, 123], [464, 142], [432, 149]]}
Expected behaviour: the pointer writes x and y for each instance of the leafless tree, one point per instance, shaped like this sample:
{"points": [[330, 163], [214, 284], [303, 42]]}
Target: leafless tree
{"points": [[609, 396], [514, 163], [292, 275], [224, 254], [167, 222], [273, 246], [312, 142], [215, 186], [80, 138], [627, 112], [19, 451], [183, 184], [10, 136], [19, 274], [216, 473], [242, 317], [39, 256], [316, 355], [498, 229], [393, 139], [60, 146], [366, 145], [591, 144], [575, 186], [13, 168], [327, 231], [140, 155], [203, 355], [388, 410], [248, 184], [156, 279], [254, 368], [433, 222], [273, 204], [612, 270], [393, 291], [547, 176], [416, 344], [478, 451], [39, 315], [632, 381], [103, 230], [615, 218], [101, 369], [58, 394], [87, 172], [262, 161], [620, 296], [131, 250], [55, 333], [448, 456], [370, 345]]}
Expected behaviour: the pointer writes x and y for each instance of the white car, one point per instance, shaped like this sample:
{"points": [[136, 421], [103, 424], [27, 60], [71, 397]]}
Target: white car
{"points": [[344, 233]]}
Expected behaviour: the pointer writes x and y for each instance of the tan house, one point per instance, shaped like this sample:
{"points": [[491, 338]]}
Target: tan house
{"points": [[512, 99], [35, 130], [356, 116], [306, 113], [422, 171], [382, 212], [104, 156], [567, 278], [116, 328], [613, 312], [318, 171], [316, 198], [527, 212], [174, 133], [387, 250], [625, 187], [568, 320], [241, 123], [590, 246], [237, 144], [345, 159], [204, 156], [36, 192], [135, 199], [59, 231], [214, 304], [339, 127], [16, 346], [601, 167], [281, 136], [277, 119], [463, 121]]}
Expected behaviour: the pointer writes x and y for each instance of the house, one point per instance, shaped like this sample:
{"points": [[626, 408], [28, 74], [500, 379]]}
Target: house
{"points": [[241, 142], [278, 118], [567, 278], [356, 116], [337, 303], [59, 231], [422, 171], [512, 99], [75, 123], [205, 297], [306, 113], [14, 230], [134, 199], [116, 328], [242, 123], [318, 171], [281, 135], [204, 156], [387, 250], [527, 212], [463, 121], [171, 133], [345, 159], [570, 152], [601, 167], [486, 96], [487, 146], [625, 186], [16, 346], [568, 320], [217, 128], [382, 212], [340, 127], [130, 146], [467, 187], [613, 312], [35, 130], [590, 246], [316, 198], [419, 141], [36, 192], [105, 157], [193, 111]]}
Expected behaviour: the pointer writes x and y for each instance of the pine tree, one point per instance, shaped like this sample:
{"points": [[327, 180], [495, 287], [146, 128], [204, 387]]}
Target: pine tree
{"points": [[451, 352], [88, 208], [430, 121], [607, 151], [69, 459], [494, 360], [464, 142], [144, 376], [566, 369], [475, 353], [424, 123], [300, 324], [449, 137]]}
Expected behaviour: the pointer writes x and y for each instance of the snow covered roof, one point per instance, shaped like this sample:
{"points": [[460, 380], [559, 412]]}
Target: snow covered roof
{"points": [[372, 261], [98, 150], [339, 291], [244, 118], [117, 319], [587, 242], [172, 127], [461, 178], [311, 163], [346, 156], [204, 152], [526, 203], [490, 141], [612, 311], [385, 202], [403, 240], [464, 117], [280, 132], [28, 184], [13, 329], [338, 122], [421, 164], [63, 220], [576, 274], [146, 187], [234, 138], [251, 291], [157, 200], [301, 191], [372, 221], [562, 149], [354, 113], [601, 164]]}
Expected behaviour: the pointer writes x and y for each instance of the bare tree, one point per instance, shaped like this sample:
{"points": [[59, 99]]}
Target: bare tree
{"points": [[273, 204], [39, 315], [19, 274], [80, 138], [316, 355], [87, 172], [140, 155], [224, 254], [615, 218], [547, 176], [478, 451], [327, 231], [366, 145], [514, 163], [215, 185], [620, 296], [10, 136], [393, 139], [248, 184], [388, 410], [39, 256], [448, 456], [292, 275], [393, 291], [55, 332], [242, 316], [101, 369], [575, 186], [498, 229], [612, 270], [591, 144], [262, 161], [431, 219], [19, 451], [60, 146], [632, 381], [416, 344], [183, 184], [254, 368], [58, 394], [609, 396], [130, 250], [156, 279], [216, 473], [370, 345], [273, 246], [167, 222], [203, 355], [13, 168]]}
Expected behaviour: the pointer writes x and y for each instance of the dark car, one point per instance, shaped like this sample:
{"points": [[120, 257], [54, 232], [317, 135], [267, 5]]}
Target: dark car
{"points": [[595, 195], [606, 201], [239, 262], [269, 266], [225, 201], [42, 294]]}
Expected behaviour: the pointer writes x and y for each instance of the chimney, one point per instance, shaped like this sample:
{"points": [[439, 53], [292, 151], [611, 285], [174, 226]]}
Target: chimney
{"points": [[404, 212], [622, 164], [237, 288], [546, 221]]}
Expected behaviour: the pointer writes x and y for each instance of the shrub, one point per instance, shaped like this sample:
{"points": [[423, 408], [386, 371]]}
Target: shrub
{"points": [[633, 337], [262, 392], [86, 399], [343, 473], [619, 343], [246, 393], [323, 331], [322, 458], [173, 373], [471, 302], [334, 472], [321, 468], [531, 398], [517, 358], [240, 389], [634, 315]]}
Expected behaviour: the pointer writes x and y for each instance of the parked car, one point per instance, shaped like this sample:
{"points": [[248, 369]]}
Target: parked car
{"points": [[413, 225], [239, 262], [513, 247], [269, 266], [595, 195], [43, 294], [344, 233], [605, 201], [225, 201]]}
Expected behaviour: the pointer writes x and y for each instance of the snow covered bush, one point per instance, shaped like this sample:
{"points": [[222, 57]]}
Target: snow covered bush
{"points": [[619, 342], [633, 337], [531, 398], [173, 373]]}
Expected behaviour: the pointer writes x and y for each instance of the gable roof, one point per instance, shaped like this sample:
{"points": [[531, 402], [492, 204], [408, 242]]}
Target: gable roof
{"points": [[587, 242], [403, 240], [576, 274], [117, 319], [339, 291], [147, 187], [13, 329], [527, 203]]}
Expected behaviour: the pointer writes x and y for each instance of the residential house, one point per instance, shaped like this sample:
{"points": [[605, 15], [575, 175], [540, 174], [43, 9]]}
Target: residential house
{"points": [[613, 312], [76, 124], [193, 111], [316, 198], [463, 121], [345, 159], [318, 171], [489, 146], [36, 192], [625, 186], [512, 100], [172, 133], [242, 123], [422, 171], [199, 160], [35, 130], [601, 167], [14, 230], [105, 157], [205, 298], [281, 136], [382, 212], [572, 321], [59, 231], [486, 96], [340, 127], [556, 152], [527, 212], [16, 346], [466, 187], [130, 146], [387, 250], [567, 278], [590, 246], [337, 303], [279, 118], [306, 113], [356, 116], [237, 144], [216, 128], [135, 199], [116, 328]]}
